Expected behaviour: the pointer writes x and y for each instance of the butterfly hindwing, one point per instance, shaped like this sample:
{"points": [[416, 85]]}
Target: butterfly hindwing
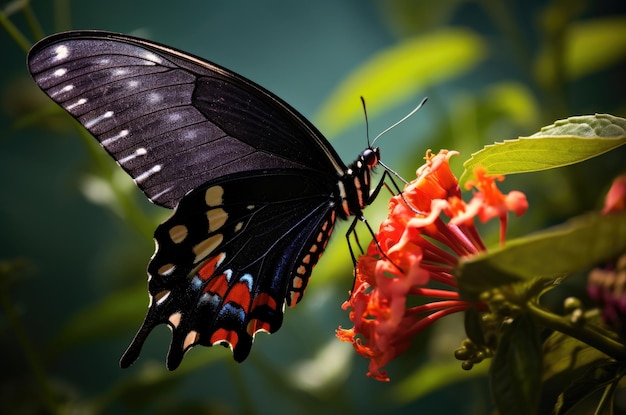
{"points": [[156, 110], [232, 256]]}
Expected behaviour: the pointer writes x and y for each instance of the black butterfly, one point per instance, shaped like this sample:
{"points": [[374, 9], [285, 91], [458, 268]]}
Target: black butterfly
{"points": [[256, 188]]}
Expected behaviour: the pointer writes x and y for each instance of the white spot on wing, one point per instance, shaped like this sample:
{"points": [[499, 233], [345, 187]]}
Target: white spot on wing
{"points": [[161, 193], [163, 298], [123, 133], [152, 57], [139, 152], [247, 278], [61, 52], [222, 258], [190, 134], [143, 176], [154, 98], [66, 88], [60, 72], [96, 120], [75, 104]]}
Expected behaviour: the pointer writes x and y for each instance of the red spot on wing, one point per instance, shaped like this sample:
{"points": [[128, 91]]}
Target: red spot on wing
{"points": [[221, 285], [208, 269], [217, 285], [255, 325], [264, 299], [239, 294], [223, 335]]}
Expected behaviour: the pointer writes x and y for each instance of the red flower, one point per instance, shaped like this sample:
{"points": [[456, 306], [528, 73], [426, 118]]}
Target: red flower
{"points": [[615, 200], [419, 247]]}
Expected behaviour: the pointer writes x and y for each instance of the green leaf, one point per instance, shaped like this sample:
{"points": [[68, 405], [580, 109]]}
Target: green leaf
{"points": [[601, 376], [573, 369], [556, 252], [435, 376], [563, 143], [590, 46], [516, 368], [566, 358], [588, 126], [400, 72], [512, 101], [583, 54]]}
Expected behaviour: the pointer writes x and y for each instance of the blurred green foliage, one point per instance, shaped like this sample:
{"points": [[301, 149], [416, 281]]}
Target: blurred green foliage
{"points": [[76, 235]]}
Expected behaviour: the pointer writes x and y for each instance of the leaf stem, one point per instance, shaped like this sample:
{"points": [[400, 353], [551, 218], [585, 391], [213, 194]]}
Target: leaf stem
{"points": [[583, 333], [14, 32]]}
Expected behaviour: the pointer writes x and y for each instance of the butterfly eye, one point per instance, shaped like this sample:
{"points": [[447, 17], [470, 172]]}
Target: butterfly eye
{"points": [[370, 156]]}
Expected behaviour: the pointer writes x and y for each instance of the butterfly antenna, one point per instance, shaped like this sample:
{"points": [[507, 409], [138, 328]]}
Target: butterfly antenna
{"points": [[367, 124], [406, 117]]}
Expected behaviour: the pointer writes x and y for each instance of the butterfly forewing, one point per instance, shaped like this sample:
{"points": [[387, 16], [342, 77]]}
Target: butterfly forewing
{"points": [[171, 120]]}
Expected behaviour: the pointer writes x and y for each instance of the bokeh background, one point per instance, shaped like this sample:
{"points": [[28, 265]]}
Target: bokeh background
{"points": [[75, 235]]}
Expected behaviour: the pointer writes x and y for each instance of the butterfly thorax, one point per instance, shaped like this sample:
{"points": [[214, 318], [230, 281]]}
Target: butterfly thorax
{"points": [[353, 188]]}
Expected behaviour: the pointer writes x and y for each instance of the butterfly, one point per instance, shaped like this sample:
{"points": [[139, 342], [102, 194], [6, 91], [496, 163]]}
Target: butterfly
{"points": [[256, 189]]}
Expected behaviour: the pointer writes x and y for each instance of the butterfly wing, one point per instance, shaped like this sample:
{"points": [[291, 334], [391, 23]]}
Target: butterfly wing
{"points": [[251, 180], [171, 120], [232, 255]]}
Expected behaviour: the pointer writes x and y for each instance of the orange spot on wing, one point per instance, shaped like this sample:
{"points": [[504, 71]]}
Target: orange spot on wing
{"points": [[295, 298]]}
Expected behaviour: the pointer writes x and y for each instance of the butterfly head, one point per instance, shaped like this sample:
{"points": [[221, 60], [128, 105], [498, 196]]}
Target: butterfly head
{"points": [[369, 158], [353, 188]]}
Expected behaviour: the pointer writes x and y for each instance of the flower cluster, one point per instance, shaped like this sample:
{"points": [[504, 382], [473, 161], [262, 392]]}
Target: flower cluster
{"points": [[428, 229]]}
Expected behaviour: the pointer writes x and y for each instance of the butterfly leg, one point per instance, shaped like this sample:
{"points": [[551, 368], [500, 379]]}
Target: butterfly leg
{"points": [[360, 217], [352, 231]]}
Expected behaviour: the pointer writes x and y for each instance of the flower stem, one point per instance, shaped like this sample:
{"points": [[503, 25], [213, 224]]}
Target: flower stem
{"points": [[583, 333]]}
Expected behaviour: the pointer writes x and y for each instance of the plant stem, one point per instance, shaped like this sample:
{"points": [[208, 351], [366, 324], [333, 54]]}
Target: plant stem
{"points": [[14, 32], [591, 337]]}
